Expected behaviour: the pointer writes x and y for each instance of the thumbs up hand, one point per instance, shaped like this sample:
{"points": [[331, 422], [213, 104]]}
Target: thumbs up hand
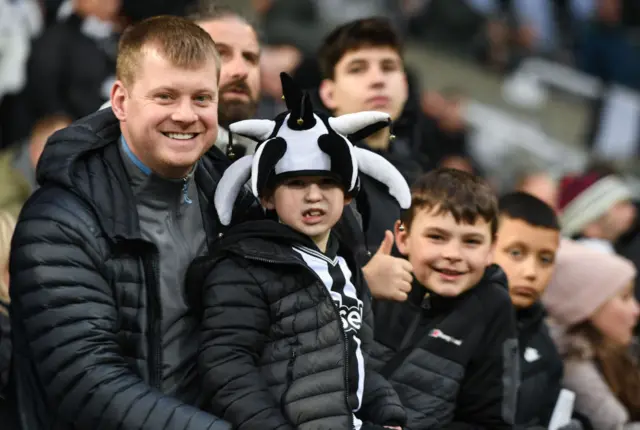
{"points": [[389, 277], [386, 246]]}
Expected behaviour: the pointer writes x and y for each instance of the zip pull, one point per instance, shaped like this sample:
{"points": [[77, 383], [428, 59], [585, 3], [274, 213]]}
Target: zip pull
{"points": [[411, 331], [426, 302], [185, 191]]}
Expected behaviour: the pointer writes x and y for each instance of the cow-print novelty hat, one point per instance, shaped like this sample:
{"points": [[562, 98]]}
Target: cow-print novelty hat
{"points": [[303, 142]]}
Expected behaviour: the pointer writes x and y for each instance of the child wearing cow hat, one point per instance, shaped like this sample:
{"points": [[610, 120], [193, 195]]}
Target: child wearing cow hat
{"points": [[287, 321]]}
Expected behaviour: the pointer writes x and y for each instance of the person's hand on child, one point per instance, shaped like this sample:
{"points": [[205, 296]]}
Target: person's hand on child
{"points": [[389, 277]]}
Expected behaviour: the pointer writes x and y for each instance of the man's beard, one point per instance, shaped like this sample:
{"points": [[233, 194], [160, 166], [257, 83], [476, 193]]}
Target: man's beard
{"points": [[230, 111]]}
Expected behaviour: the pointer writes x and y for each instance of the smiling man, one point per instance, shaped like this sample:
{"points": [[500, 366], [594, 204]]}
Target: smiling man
{"points": [[237, 43], [106, 333]]}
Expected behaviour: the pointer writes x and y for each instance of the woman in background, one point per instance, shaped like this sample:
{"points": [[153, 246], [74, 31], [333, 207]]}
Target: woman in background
{"points": [[593, 310]]}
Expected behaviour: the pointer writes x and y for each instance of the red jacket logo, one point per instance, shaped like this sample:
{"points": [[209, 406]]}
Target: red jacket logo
{"points": [[437, 334]]}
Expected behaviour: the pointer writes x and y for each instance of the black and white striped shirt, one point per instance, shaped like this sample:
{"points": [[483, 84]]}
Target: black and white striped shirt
{"points": [[336, 276]]}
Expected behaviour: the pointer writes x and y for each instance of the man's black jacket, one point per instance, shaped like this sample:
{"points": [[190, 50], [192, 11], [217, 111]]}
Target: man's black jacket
{"points": [[84, 288], [7, 408]]}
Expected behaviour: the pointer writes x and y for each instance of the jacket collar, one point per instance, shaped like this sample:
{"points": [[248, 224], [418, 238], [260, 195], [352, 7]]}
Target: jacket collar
{"points": [[153, 190], [427, 299], [530, 317], [273, 241], [85, 159]]}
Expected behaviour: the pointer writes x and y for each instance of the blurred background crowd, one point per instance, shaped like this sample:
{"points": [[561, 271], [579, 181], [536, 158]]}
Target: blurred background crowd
{"points": [[512, 87], [535, 95]]}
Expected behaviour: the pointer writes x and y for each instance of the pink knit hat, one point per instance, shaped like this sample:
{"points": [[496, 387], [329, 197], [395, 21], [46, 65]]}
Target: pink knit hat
{"points": [[583, 280]]}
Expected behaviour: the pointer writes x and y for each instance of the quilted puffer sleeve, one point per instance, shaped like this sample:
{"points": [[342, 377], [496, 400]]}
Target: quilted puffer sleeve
{"points": [[234, 329], [66, 313], [5, 349], [488, 395], [381, 404]]}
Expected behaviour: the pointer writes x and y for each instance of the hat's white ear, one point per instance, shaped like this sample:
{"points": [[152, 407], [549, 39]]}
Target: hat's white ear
{"points": [[381, 170], [105, 105], [353, 122], [233, 179], [257, 129]]}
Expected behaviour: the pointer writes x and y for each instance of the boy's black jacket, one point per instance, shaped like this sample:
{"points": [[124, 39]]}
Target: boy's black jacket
{"points": [[452, 361], [274, 352], [540, 366]]}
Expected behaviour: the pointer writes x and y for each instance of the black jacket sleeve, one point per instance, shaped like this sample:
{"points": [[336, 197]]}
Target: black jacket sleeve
{"points": [[488, 394], [5, 348], [381, 404], [555, 386], [234, 330], [67, 315]]}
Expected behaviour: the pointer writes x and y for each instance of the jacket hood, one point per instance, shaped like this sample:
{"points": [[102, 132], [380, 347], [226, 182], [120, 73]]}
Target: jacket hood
{"points": [[254, 238], [85, 159], [495, 275], [265, 240], [72, 143]]}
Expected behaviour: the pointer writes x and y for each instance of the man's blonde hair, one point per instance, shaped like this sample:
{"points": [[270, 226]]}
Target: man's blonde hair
{"points": [[180, 41], [7, 227]]}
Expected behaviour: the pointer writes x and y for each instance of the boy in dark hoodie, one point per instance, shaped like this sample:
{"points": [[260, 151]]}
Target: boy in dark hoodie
{"points": [[526, 246], [450, 350], [287, 320]]}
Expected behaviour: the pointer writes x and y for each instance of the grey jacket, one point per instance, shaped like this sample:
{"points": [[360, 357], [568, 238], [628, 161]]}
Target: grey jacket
{"points": [[103, 336]]}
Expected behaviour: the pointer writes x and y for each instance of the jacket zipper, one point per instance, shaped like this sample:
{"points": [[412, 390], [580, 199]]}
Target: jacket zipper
{"points": [[289, 376], [425, 306], [337, 311], [155, 342], [185, 191]]}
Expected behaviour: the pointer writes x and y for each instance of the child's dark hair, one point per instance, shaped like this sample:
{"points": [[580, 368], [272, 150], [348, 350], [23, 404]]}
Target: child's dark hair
{"points": [[369, 32], [530, 209], [464, 195]]}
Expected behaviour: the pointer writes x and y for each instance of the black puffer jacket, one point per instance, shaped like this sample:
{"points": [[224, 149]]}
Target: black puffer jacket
{"points": [[275, 353], [85, 300], [5, 349], [540, 367], [452, 361], [7, 408]]}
